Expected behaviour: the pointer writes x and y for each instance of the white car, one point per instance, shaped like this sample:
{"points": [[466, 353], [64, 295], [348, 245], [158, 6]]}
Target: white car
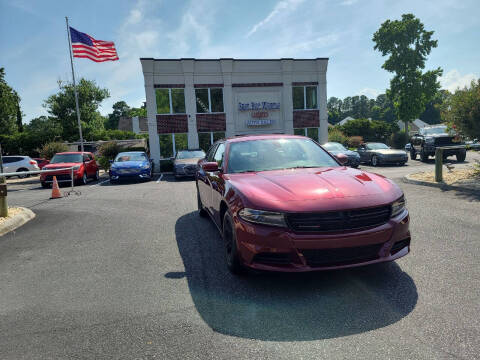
{"points": [[18, 163]]}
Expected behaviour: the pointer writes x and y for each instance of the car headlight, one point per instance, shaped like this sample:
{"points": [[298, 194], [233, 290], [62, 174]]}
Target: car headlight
{"points": [[75, 168], [262, 217], [429, 140], [146, 166], [398, 206]]}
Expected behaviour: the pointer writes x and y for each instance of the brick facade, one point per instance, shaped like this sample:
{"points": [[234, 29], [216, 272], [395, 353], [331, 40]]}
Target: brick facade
{"points": [[306, 118], [167, 124], [208, 85], [169, 86], [257, 84], [211, 122]]}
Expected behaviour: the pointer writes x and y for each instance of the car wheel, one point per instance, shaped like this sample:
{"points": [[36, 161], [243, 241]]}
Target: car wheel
{"points": [[97, 175], [423, 156], [201, 210], [230, 240], [24, 175], [374, 160], [45, 185], [461, 156], [413, 154], [84, 178]]}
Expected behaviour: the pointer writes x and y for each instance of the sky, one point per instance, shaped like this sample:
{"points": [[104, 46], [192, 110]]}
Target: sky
{"points": [[34, 42]]}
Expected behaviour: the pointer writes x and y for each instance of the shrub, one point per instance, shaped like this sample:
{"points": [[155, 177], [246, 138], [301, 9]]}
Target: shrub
{"points": [[109, 150], [49, 149], [104, 163], [354, 141], [398, 140], [334, 134]]}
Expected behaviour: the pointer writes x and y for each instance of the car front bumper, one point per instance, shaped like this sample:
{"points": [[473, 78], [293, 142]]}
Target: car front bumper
{"points": [[277, 249], [392, 159], [130, 174]]}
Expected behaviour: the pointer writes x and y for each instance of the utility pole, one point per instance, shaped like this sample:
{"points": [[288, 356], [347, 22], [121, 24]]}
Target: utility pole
{"points": [[3, 190]]}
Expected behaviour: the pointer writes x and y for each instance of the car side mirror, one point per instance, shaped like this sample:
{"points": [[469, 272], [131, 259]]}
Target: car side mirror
{"points": [[342, 158], [210, 166]]}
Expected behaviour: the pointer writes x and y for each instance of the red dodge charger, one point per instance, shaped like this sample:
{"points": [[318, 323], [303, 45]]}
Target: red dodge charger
{"points": [[283, 203]]}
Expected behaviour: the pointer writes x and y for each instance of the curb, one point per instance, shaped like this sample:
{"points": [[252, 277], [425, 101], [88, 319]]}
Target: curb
{"points": [[443, 186], [18, 220]]}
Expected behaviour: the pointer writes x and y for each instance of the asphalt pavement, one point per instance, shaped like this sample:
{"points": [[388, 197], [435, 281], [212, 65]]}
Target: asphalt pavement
{"points": [[130, 271]]}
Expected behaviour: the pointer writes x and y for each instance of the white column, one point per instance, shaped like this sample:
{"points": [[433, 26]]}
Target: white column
{"points": [[287, 98], [153, 141], [190, 103], [228, 105], [322, 100]]}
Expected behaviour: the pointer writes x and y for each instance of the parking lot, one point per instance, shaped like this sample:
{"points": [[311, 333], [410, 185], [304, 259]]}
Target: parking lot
{"points": [[131, 271]]}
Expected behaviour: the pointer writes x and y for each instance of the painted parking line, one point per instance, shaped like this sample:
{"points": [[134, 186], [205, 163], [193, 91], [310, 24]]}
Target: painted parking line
{"points": [[160, 178], [104, 181]]}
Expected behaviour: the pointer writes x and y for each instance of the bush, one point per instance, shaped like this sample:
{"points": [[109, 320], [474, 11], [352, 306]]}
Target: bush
{"points": [[104, 163], [49, 149], [335, 134], [354, 141], [109, 150], [398, 140]]}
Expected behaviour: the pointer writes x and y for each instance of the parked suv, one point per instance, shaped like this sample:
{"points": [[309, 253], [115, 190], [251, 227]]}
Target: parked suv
{"points": [[19, 163], [84, 167], [430, 137]]}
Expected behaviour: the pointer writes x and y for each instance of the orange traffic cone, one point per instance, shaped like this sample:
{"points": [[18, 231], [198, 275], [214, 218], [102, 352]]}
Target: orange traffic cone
{"points": [[55, 190]]}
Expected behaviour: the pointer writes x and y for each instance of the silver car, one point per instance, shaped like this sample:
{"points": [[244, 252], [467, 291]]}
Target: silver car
{"points": [[19, 163], [185, 162]]}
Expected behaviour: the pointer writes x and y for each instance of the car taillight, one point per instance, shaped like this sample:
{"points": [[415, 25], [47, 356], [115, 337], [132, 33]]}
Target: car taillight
{"points": [[33, 162]]}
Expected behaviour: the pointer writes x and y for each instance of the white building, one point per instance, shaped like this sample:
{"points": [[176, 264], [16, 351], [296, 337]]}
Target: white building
{"points": [[412, 126], [344, 121], [193, 102]]}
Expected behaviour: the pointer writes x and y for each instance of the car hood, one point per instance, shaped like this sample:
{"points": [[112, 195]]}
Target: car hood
{"points": [[346, 152], [320, 189], [60, 166], [193, 161], [390, 152], [129, 164]]}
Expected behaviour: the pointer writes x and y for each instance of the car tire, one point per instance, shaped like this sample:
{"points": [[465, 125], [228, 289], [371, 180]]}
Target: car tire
{"points": [[375, 161], [413, 154], [84, 178], [201, 210], [423, 156], [23, 176], [231, 251], [45, 185], [461, 156]]}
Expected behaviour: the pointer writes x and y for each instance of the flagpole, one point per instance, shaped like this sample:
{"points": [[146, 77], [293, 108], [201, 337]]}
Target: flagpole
{"points": [[74, 86]]}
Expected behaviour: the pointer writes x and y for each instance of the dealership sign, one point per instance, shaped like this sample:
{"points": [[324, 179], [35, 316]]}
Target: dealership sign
{"points": [[259, 112]]}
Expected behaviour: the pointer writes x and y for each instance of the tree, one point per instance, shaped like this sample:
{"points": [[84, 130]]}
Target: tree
{"points": [[120, 109], [19, 117], [408, 43], [44, 128], [61, 108], [8, 107], [431, 115], [462, 110], [375, 130]]}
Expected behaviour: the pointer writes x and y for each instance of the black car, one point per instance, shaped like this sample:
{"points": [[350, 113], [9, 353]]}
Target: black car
{"points": [[379, 153], [336, 148], [429, 138]]}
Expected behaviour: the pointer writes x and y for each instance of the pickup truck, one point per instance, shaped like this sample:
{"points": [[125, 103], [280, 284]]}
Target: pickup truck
{"points": [[426, 141]]}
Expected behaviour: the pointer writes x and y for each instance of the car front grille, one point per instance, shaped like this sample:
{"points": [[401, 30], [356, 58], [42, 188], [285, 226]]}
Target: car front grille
{"points": [[340, 256], [444, 140], [61, 177], [190, 169], [128, 171], [338, 220]]}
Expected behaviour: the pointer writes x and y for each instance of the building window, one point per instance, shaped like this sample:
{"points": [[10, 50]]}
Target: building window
{"points": [[304, 97], [170, 101], [206, 139], [209, 100], [312, 133], [170, 144]]}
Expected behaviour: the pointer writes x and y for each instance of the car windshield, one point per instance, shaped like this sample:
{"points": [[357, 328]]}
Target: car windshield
{"points": [[435, 130], [190, 154], [66, 158], [275, 154], [334, 146], [130, 157], [377, 146]]}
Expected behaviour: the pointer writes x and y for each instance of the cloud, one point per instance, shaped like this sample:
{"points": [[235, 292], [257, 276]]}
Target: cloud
{"points": [[370, 93], [135, 16], [453, 80], [348, 2], [280, 7]]}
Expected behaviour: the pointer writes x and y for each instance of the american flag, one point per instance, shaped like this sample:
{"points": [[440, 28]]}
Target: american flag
{"points": [[85, 46]]}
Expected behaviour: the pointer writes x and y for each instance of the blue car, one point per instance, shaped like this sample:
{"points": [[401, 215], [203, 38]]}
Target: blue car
{"points": [[131, 165]]}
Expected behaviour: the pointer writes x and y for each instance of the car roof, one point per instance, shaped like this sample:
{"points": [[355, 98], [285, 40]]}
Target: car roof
{"points": [[6, 156], [73, 152], [263, 137], [132, 152]]}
